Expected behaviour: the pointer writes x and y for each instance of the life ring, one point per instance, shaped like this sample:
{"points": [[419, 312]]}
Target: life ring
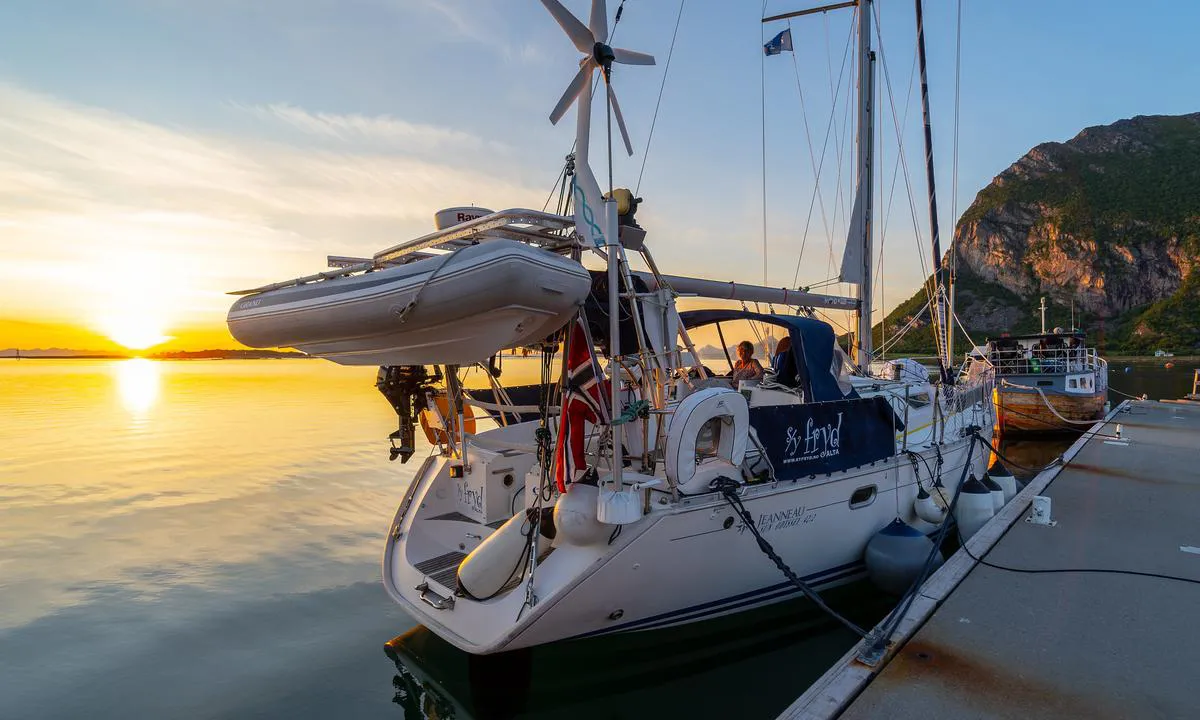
{"points": [[437, 431], [683, 432]]}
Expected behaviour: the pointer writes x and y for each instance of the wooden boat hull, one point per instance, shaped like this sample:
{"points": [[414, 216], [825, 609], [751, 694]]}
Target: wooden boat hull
{"points": [[1019, 411]]}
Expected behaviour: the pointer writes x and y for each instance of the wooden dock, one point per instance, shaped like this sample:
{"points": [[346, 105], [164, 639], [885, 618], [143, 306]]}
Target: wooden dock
{"points": [[986, 642]]}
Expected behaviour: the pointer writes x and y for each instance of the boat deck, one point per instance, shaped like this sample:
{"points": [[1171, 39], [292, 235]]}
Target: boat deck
{"points": [[983, 642]]}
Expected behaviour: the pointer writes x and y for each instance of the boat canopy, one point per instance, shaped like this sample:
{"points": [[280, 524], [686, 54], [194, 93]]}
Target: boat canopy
{"points": [[813, 344], [1077, 334]]}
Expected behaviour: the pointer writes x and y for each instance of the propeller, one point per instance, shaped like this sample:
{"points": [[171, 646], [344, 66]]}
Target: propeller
{"points": [[591, 40]]}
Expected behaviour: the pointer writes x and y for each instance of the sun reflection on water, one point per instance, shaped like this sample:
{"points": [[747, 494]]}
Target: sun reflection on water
{"points": [[138, 383]]}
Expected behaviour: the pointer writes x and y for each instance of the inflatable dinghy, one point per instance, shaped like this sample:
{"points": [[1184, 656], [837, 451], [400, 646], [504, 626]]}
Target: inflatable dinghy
{"points": [[458, 308]]}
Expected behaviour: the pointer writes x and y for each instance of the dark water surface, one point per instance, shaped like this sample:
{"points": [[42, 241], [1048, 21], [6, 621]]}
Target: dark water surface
{"points": [[202, 539]]}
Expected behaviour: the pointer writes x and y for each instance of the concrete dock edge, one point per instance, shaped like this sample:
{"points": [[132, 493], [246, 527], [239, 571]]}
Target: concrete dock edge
{"points": [[842, 683]]}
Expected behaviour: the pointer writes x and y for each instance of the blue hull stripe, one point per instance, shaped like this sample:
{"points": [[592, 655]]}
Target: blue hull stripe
{"points": [[713, 607]]}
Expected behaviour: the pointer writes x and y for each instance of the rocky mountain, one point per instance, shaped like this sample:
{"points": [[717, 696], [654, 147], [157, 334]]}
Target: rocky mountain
{"points": [[1107, 223]]}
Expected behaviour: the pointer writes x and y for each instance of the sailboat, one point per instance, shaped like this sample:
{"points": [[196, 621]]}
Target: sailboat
{"points": [[631, 488]]}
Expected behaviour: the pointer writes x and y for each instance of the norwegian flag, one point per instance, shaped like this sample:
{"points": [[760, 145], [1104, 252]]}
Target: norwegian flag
{"points": [[583, 401]]}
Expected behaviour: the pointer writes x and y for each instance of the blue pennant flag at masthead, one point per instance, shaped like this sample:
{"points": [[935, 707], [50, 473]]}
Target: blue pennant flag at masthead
{"points": [[779, 43]]}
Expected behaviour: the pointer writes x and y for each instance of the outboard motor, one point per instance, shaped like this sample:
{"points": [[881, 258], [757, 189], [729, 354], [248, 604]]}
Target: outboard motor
{"points": [[405, 387]]}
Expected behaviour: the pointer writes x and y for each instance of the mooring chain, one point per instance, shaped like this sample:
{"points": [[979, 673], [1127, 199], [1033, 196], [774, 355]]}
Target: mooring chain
{"points": [[729, 489]]}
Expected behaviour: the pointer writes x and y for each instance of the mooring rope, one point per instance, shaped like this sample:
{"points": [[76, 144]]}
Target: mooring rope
{"points": [[1046, 400]]}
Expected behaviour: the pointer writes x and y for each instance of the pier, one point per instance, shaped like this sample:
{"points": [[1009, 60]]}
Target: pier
{"points": [[1093, 616]]}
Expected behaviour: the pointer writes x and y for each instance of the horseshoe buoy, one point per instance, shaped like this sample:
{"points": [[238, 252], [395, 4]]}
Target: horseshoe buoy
{"points": [[723, 415]]}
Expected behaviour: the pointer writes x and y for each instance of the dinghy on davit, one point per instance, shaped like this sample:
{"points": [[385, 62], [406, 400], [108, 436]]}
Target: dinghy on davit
{"points": [[460, 307]]}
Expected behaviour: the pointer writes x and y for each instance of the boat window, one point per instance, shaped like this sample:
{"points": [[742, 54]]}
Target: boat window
{"points": [[708, 439], [1045, 383], [919, 400], [862, 497], [1074, 383], [709, 341]]}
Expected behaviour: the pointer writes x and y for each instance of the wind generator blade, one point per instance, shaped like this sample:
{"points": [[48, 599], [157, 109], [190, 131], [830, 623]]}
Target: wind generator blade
{"points": [[631, 57], [573, 90], [598, 23], [577, 31], [612, 96]]}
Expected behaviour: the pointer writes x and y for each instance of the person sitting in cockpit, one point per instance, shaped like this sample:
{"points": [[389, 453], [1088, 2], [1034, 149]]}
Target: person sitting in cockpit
{"points": [[746, 367], [783, 366]]}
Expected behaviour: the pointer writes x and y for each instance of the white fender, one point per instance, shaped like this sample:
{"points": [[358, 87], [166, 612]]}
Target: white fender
{"points": [[499, 559], [930, 508], [690, 416], [575, 518]]}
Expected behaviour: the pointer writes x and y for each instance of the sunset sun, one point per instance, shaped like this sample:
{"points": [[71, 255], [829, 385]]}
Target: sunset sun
{"points": [[136, 333]]}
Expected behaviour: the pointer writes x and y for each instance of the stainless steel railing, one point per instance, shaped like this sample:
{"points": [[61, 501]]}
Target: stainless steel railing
{"points": [[1033, 361]]}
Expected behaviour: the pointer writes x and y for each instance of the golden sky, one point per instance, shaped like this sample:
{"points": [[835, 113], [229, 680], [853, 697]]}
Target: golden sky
{"points": [[118, 232]]}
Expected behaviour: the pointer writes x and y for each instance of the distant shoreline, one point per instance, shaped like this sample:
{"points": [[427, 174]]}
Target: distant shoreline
{"points": [[174, 355]]}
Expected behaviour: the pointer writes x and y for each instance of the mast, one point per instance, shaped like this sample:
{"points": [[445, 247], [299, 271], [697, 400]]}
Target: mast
{"points": [[939, 304], [866, 159], [856, 264]]}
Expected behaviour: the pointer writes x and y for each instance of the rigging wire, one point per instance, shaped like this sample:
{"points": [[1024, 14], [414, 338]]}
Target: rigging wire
{"points": [[657, 103], [887, 211], [812, 157], [882, 240], [561, 176], [902, 331], [821, 164], [828, 281], [840, 210], [903, 159], [762, 95], [954, 166], [837, 141]]}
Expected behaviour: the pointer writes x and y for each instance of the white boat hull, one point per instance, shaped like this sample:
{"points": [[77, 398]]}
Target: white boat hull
{"points": [[686, 561], [457, 310]]}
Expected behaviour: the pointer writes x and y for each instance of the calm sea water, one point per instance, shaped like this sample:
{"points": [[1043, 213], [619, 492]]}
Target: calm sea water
{"points": [[202, 539]]}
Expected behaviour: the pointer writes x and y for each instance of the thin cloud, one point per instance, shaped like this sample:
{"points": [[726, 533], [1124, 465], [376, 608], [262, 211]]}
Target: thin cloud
{"points": [[382, 130], [104, 212]]}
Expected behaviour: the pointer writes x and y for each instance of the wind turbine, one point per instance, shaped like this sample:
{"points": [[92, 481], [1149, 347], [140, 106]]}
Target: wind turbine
{"points": [[592, 41]]}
